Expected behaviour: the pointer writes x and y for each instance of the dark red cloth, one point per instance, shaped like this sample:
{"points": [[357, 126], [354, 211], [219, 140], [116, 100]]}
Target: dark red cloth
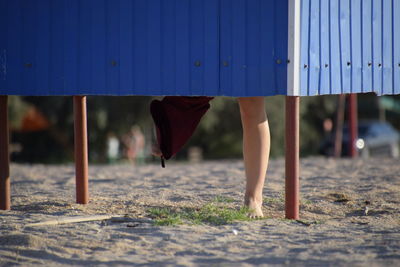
{"points": [[176, 119]]}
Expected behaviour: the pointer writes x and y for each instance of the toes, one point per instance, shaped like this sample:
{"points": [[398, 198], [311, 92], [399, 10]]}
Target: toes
{"points": [[254, 209], [255, 215]]}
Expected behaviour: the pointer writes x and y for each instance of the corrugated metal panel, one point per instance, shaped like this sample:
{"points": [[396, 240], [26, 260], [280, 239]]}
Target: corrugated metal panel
{"points": [[387, 47], [119, 47], [357, 52], [367, 76], [3, 56], [356, 44], [325, 59], [144, 47], [304, 32], [253, 47], [396, 45]]}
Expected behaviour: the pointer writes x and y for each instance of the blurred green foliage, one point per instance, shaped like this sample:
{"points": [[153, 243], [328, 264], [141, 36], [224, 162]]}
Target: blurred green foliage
{"points": [[219, 133]]}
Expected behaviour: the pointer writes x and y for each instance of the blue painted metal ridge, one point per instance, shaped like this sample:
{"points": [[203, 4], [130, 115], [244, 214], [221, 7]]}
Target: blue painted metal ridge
{"points": [[350, 46], [143, 47]]}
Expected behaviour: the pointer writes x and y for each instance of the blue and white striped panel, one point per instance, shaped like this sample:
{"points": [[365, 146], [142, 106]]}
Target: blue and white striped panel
{"points": [[350, 46]]}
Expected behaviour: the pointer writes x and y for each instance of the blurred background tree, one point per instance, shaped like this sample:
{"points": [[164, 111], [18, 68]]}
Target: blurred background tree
{"points": [[42, 127]]}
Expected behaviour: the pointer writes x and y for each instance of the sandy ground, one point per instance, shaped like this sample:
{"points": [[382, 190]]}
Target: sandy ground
{"points": [[334, 228]]}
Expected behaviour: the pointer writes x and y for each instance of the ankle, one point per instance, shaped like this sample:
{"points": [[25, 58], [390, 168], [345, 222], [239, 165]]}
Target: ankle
{"points": [[252, 198]]}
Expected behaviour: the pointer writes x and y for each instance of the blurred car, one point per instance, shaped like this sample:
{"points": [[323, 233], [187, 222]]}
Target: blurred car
{"points": [[375, 138]]}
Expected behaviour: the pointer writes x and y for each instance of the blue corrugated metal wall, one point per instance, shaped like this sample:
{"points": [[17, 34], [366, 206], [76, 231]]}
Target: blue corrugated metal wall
{"points": [[350, 46], [143, 47], [253, 47]]}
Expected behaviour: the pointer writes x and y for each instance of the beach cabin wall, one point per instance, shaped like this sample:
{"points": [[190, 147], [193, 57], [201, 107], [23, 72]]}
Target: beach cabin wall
{"points": [[197, 47], [143, 47]]}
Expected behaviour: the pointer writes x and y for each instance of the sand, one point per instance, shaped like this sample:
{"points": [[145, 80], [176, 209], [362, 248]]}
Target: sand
{"points": [[334, 228]]}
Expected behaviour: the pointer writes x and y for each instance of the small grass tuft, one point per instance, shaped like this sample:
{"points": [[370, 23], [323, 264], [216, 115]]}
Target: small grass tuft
{"points": [[164, 216], [216, 215], [305, 202], [210, 213]]}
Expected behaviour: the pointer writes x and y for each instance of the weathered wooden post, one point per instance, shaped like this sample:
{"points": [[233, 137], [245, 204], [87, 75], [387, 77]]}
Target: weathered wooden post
{"points": [[81, 150], [292, 149], [5, 196]]}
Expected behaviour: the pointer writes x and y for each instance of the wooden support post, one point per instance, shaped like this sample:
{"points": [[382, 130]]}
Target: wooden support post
{"points": [[292, 150], [353, 125], [5, 195], [81, 150]]}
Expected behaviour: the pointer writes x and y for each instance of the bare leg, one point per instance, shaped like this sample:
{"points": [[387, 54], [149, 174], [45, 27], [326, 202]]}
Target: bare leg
{"points": [[256, 146]]}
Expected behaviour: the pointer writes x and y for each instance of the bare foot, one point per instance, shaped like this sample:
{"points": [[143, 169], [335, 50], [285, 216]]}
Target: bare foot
{"points": [[155, 150], [254, 207]]}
